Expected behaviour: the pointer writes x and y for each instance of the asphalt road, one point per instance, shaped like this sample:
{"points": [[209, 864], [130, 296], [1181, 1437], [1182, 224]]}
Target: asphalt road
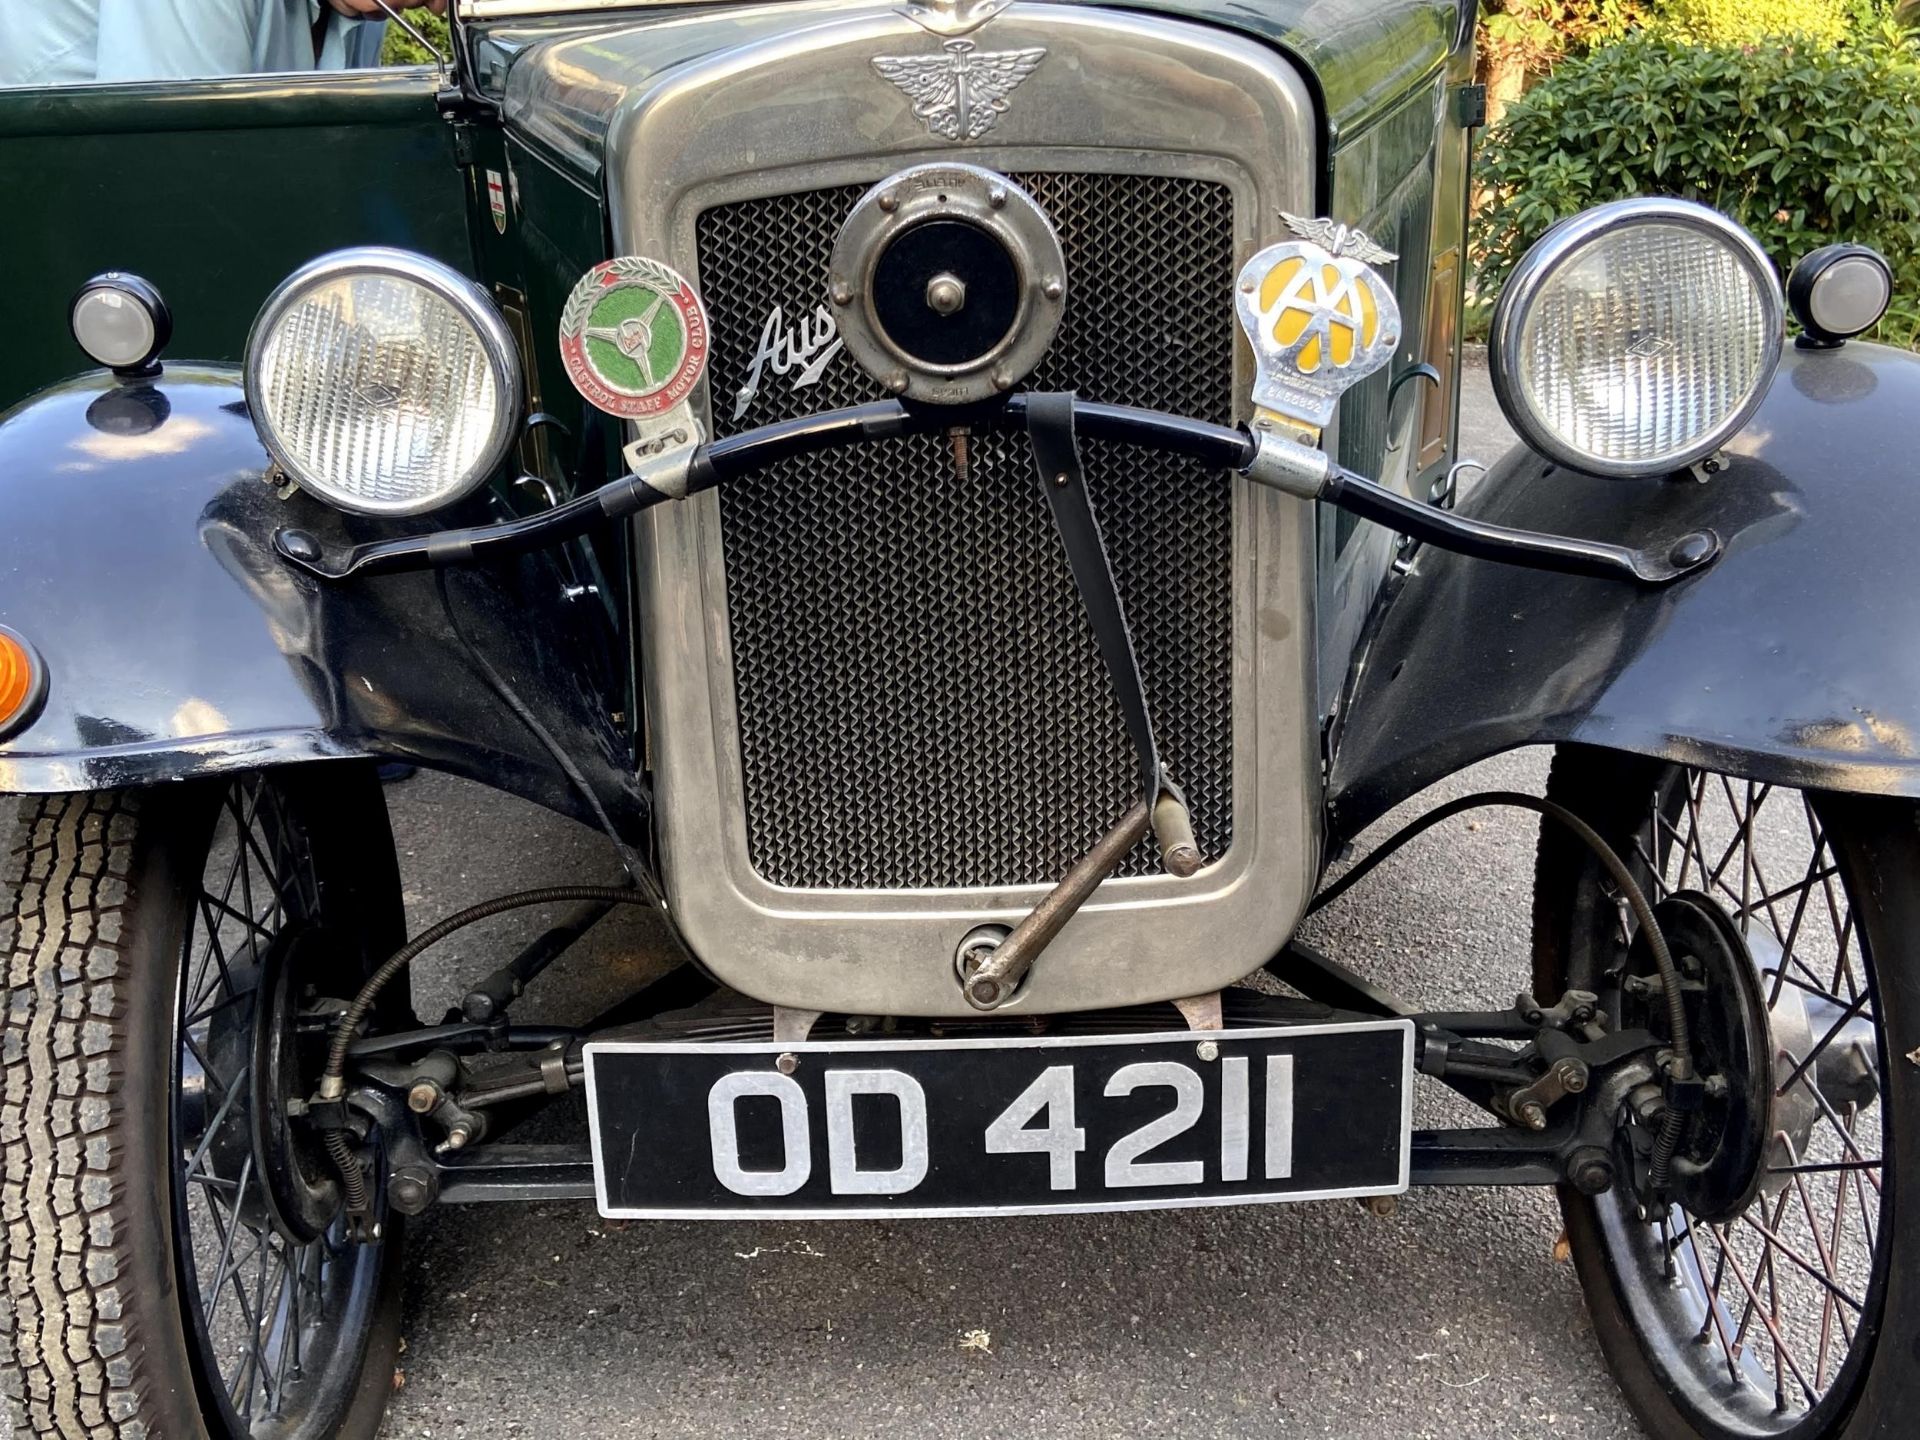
{"points": [[1451, 1318]]}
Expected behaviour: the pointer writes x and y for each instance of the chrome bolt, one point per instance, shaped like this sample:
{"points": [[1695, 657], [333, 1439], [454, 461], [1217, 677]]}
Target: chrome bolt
{"points": [[1053, 289], [1691, 549], [897, 382], [1207, 1050], [889, 201], [997, 196], [1060, 479], [1246, 286], [946, 294], [299, 545], [787, 1063], [1002, 380], [842, 293]]}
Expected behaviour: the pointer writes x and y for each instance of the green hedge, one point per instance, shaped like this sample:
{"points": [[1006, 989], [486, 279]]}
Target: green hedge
{"points": [[1745, 22], [1802, 143], [400, 48]]}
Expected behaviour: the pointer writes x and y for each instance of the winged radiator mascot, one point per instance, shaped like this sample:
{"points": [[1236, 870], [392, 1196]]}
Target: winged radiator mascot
{"points": [[961, 93]]}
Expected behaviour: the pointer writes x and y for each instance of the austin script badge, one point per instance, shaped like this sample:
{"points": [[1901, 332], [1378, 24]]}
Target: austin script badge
{"points": [[803, 350]]}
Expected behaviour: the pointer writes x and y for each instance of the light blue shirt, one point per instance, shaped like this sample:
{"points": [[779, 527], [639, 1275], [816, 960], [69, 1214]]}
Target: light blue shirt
{"points": [[75, 42]]}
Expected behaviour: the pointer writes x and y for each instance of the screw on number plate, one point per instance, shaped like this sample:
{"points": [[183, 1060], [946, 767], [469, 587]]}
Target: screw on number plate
{"points": [[1207, 1050], [787, 1063]]}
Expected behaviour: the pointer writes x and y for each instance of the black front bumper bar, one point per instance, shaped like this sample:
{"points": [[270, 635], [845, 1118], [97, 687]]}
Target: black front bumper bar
{"points": [[1217, 447], [509, 1171]]}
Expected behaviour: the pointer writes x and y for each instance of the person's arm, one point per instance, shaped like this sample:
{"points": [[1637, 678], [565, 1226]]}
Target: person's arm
{"points": [[358, 28], [373, 10]]}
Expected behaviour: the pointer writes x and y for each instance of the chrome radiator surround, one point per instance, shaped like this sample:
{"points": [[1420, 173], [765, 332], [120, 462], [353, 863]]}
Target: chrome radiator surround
{"points": [[1116, 93]]}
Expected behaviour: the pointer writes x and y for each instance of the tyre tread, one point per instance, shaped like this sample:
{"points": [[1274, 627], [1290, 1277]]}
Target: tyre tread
{"points": [[66, 882]]}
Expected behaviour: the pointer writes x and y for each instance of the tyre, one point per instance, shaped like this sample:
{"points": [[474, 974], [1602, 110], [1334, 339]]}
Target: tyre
{"points": [[171, 1246], [1773, 1288]]}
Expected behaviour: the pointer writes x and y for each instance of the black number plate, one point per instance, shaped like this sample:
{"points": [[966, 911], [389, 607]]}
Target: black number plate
{"points": [[1000, 1126]]}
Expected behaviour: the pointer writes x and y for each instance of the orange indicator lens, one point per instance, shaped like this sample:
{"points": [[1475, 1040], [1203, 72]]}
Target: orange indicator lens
{"points": [[19, 678]]}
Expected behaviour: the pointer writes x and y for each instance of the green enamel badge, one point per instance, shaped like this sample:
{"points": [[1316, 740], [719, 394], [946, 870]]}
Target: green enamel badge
{"points": [[634, 337]]}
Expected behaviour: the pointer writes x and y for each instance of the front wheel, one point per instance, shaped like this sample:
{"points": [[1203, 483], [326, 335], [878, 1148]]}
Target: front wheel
{"points": [[1772, 1288], [172, 1248]]}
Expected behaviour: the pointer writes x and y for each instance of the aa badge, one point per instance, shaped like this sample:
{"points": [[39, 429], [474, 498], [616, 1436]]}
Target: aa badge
{"points": [[1319, 317], [634, 338]]}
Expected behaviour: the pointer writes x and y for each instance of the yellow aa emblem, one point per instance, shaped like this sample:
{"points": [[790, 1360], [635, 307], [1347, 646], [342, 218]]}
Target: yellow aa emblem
{"points": [[1318, 316], [1326, 308]]}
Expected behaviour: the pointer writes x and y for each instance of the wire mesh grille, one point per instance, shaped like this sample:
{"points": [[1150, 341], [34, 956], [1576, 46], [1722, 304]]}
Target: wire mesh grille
{"points": [[920, 701]]}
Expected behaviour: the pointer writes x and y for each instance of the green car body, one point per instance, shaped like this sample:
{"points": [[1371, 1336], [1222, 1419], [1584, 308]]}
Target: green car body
{"points": [[215, 190]]}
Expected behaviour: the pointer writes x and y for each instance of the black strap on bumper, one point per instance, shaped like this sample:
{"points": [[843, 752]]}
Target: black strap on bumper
{"points": [[997, 971], [1056, 451]]}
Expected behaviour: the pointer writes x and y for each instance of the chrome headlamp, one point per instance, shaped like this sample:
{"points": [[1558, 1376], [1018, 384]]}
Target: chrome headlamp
{"points": [[1637, 338], [383, 382]]}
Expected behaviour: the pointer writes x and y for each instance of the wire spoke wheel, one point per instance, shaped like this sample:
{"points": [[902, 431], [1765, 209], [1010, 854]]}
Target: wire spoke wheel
{"points": [[271, 1284], [1748, 1299]]}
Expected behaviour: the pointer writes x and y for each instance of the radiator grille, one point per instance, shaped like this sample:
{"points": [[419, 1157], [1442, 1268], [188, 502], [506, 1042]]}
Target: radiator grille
{"points": [[920, 701]]}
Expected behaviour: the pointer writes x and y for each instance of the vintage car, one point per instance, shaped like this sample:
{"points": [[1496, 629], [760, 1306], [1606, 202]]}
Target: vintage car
{"points": [[963, 495]]}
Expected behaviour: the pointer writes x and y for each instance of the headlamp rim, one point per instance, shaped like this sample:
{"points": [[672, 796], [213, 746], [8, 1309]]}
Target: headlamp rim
{"points": [[472, 303], [1562, 243]]}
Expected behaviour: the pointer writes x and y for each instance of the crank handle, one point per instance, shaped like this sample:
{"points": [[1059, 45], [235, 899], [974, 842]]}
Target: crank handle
{"points": [[1000, 974]]}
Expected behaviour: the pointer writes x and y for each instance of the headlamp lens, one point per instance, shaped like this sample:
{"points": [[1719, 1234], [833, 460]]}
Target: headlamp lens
{"points": [[1639, 346], [383, 382]]}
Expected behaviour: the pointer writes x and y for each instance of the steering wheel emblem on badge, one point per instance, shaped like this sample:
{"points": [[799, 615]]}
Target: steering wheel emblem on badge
{"points": [[634, 339]]}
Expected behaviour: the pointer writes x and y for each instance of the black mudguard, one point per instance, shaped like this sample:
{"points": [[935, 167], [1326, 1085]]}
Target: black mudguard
{"points": [[1793, 659], [135, 557]]}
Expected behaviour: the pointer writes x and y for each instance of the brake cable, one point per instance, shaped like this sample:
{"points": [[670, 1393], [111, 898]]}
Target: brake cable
{"points": [[1674, 1121], [333, 1084]]}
